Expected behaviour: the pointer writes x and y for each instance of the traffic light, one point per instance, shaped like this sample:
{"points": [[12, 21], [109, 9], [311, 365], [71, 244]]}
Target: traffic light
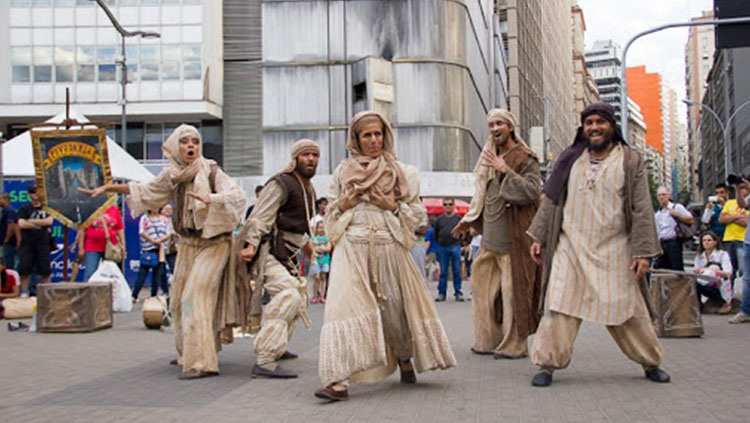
{"points": [[732, 35]]}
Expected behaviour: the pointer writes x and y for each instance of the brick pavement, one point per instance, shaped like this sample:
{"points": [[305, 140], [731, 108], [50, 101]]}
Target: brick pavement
{"points": [[122, 375]]}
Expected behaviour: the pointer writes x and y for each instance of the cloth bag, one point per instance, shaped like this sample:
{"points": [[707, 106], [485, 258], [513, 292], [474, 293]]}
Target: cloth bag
{"points": [[108, 271], [684, 231], [19, 308], [112, 252]]}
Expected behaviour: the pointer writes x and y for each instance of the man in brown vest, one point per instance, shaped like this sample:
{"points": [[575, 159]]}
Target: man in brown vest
{"points": [[277, 229], [505, 281]]}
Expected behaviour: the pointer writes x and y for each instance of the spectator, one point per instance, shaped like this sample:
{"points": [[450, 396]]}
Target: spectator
{"points": [[170, 247], [744, 315], [417, 251], [666, 227], [431, 249], [321, 263], [449, 250], [735, 219], [10, 232], [320, 207], [92, 241], [474, 244], [153, 231], [10, 283], [34, 253], [258, 189], [712, 260], [722, 194]]}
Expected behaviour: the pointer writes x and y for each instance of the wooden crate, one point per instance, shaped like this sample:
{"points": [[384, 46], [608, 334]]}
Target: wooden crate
{"points": [[74, 307], [675, 305]]}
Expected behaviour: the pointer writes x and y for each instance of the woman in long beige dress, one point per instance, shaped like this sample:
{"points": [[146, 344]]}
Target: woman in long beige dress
{"points": [[208, 207], [378, 312]]}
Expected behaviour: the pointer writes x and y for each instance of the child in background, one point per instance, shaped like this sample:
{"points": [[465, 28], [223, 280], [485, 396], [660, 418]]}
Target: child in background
{"points": [[321, 264]]}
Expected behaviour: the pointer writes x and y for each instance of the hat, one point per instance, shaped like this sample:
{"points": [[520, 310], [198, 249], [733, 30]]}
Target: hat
{"points": [[602, 109]]}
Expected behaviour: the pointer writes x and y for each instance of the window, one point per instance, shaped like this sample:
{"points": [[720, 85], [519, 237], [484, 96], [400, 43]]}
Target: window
{"points": [[85, 55], [20, 3], [63, 2], [149, 72], [107, 72], [22, 73], [191, 61], [42, 2], [154, 140], [86, 73], [42, 73]]}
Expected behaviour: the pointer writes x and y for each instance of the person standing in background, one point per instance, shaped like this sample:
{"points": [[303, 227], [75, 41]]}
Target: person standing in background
{"points": [[449, 250], [10, 232], [735, 218]]}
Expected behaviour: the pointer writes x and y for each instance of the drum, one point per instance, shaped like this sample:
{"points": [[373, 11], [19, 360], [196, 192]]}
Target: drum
{"points": [[676, 312], [154, 310]]}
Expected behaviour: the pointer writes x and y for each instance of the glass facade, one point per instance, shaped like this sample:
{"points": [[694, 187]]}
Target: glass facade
{"points": [[71, 41], [146, 138]]}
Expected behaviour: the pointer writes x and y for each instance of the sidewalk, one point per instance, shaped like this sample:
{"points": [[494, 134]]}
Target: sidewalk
{"points": [[122, 375]]}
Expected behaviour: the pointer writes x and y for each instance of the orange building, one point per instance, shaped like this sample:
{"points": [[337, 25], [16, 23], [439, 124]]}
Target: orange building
{"points": [[645, 89]]}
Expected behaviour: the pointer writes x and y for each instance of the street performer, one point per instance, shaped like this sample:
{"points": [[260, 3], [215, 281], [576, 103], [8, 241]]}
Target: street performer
{"points": [[271, 239], [207, 208], [378, 312], [595, 231], [506, 281]]}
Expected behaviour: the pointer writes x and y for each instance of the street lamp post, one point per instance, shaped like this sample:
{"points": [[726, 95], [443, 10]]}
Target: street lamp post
{"points": [[123, 67], [724, 129]]}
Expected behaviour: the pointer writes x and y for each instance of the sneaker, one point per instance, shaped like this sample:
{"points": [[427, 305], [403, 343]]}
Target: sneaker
{"points": [[726, 308], [440, 298], [740, 318], [322, 300], [314, 300], [459, 298]]}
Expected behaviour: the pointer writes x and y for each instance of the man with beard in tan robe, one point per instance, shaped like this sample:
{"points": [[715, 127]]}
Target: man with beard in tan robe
{"points": [[596, 225], [506, 281]]}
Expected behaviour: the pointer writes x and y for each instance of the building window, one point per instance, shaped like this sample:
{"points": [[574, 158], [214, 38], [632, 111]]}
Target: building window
{"points": [[107, 72], [191, 61], [22, 73], [86, 73], [42, 73], [64, 73], [20, 3]]}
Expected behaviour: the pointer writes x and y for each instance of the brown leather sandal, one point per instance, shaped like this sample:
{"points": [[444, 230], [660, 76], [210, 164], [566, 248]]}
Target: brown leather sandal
{"points": [[407, 376], [328, 393]]}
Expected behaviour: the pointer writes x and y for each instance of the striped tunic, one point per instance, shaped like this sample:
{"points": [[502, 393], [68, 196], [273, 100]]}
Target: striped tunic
{"points": [[590, 277]]}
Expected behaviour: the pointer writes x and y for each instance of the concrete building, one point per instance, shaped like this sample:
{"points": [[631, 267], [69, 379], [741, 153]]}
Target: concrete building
{"points": [[315, 64], [728, 94], [636, 126], [521, 26], [699, 56], [604, 63], [585, 90], [646, 89], [557, 76], [71, 44]]}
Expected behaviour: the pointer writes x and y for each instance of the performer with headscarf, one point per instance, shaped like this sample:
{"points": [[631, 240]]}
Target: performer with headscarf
{"points": [[208, 206], [277, 228], [378, 311], [595, 233], [506, 281]]}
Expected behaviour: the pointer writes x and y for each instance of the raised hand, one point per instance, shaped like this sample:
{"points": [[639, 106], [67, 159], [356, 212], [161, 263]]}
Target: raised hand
{"points": [[493, 160], [460, 229], [205, 198]]}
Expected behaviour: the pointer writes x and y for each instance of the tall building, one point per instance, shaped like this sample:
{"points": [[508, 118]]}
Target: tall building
{"points": [[646, 89], [315, 64], [727, 94], [585, 91], [604, 63], [699, 56], [521, 26], [71, 44], [557, 76], [540, 70]]}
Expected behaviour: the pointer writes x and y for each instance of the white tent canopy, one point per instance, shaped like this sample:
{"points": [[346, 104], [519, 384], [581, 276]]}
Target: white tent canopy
{"points": [[18, 158]]}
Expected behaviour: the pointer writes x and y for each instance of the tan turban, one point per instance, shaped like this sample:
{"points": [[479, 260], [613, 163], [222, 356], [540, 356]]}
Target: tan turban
{"points": [[482, 173], [299, 147]]}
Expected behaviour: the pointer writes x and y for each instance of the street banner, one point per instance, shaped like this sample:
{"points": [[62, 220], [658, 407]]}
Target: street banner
{"points": [[65, 160]]}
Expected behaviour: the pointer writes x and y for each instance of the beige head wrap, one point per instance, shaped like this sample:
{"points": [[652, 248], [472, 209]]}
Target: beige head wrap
{"points": [[381, 176], [194, 176], [298, 148], [482, 173]]}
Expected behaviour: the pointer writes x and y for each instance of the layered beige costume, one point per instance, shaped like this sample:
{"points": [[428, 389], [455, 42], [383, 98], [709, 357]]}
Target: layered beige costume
{"points": [[590, 276], [378, 308], [203, 296], [281, 281], [506, 283]]}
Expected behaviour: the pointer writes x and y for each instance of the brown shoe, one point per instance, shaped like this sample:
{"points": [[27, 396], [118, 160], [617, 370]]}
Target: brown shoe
{"points": [[195, 374], [408, 376], [173, 362], [328, 393], [726, 308]]}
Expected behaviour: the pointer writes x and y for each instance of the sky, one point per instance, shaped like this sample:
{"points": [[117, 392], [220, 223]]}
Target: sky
{"points": [[662, 52]]}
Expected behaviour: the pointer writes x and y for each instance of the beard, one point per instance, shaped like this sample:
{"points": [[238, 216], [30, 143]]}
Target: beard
{"points": [[604, 144], [305, 171]]}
